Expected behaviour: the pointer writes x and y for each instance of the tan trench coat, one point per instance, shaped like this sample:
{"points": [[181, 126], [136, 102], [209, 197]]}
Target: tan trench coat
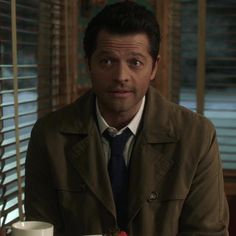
{"points": [[176, 184]]}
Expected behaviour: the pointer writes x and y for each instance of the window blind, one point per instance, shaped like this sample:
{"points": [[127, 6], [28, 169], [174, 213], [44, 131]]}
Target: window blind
{"points": [[175, 50], [218, 91], [18, 96], [36, 77], [188, 56]]}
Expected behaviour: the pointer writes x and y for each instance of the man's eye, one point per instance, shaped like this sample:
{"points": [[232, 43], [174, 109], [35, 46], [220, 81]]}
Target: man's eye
{"points": [[106, 61], [136, 63]]}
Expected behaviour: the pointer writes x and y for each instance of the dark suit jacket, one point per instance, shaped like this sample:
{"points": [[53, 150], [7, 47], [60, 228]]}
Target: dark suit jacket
{"points": [[176, 184]]}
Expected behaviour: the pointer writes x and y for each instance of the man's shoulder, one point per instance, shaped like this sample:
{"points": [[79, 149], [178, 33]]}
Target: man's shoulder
{"points": [[189, 118], [178, 116], [78, 110]]}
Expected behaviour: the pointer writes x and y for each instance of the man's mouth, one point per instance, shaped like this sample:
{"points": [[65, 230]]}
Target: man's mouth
{"points": [[120, 93]]}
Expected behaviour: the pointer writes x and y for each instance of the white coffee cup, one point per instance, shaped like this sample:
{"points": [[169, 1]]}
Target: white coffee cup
{"points": [[32, 228]]}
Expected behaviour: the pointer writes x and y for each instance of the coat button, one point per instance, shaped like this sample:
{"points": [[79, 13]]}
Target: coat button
{"points": [[153, 196]]}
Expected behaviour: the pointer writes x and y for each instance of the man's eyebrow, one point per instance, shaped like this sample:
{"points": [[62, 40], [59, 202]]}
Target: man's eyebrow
{"points": [[136, 54], [110, 53], [102, 52]]}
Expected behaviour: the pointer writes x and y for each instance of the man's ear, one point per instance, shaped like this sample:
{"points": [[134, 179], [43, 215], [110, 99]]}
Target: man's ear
{"points": [[155, 68]]}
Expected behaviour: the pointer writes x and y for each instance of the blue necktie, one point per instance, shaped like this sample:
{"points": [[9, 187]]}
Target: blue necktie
{"points": [[119, 174]]}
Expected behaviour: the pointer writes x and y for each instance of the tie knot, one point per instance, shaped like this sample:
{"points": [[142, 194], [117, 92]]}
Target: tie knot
{"points": [[117, 142], [110, 137]]}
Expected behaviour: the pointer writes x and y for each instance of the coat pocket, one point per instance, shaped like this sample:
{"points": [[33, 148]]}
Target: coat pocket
{"points": [[80, 209]]}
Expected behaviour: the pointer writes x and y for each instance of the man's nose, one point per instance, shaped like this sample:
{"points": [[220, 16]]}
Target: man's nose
{"points": [[122, 73]]}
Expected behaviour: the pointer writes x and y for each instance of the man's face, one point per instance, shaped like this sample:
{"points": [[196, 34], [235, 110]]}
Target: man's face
{"points": [[121, 68]]}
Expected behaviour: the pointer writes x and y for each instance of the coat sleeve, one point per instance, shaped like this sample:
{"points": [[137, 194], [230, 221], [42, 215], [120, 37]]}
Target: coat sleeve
{"points": [[205, 211], [41, 201]]}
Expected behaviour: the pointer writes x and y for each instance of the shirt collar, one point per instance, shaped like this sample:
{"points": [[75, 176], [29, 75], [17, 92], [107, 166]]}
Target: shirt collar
{"points": [[133, 125]]}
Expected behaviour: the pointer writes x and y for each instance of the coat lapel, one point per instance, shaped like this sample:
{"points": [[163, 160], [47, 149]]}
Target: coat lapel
{"points": [[87, 155], [148, 168], [88, 159], [150, 161]]}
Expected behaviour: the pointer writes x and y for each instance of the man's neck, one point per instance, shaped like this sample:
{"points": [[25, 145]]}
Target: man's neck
{"points": [[120, 119]]}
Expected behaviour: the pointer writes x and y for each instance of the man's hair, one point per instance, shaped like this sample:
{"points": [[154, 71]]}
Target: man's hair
{"points": [[123, 18]]}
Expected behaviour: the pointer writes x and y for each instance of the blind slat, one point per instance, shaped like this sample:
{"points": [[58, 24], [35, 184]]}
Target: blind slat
{"points": [[9, 154]]}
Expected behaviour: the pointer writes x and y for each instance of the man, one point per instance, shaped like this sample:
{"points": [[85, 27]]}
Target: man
{"points": [[168, 181]]}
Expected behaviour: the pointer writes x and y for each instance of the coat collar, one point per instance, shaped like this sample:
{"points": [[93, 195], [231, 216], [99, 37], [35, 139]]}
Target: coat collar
{"points": [[158, 117]]}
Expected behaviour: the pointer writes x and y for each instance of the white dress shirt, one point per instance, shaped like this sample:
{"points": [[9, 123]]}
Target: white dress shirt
{"points": [[133, 126]]}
